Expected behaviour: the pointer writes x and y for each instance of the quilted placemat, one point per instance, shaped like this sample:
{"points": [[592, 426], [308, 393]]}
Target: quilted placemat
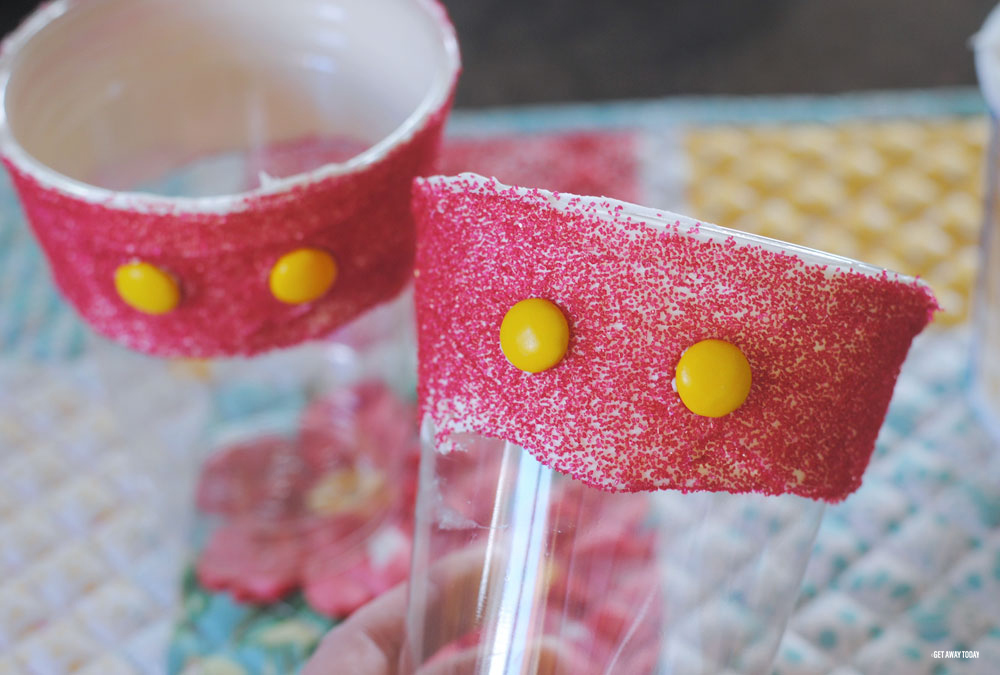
{"points": [[88, 559]]}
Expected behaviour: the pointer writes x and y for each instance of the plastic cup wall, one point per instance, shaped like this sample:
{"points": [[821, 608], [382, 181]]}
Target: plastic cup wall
{"points": [[549, 571], [985, 389], [986, 320]]}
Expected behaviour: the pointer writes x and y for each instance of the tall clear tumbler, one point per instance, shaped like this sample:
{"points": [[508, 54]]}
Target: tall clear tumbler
{"points": [[986, 367], [519, 569]]}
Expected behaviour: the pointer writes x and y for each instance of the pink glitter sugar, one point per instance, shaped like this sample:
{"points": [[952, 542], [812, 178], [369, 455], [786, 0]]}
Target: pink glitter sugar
{"points": [[825, 344]]}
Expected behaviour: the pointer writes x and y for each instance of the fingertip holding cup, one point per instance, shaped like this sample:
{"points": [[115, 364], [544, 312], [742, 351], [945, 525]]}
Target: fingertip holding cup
{"points": [[210, 139]]}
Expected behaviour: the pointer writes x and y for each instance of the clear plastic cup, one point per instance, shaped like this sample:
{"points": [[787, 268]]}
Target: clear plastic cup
{"points": [[986, 366], [557, 577], [207, 140], [567, 578]]}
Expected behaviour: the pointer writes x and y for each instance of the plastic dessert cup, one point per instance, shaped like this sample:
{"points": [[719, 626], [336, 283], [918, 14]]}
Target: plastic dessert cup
{"points": [[986, 366], [631, 422], [219, 180], [558, 572], [224, 178]]}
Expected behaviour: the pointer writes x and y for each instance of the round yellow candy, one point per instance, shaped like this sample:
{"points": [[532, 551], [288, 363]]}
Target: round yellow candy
{"points": [[147, 288], [303, 275], [534, 335], [713, 378]]}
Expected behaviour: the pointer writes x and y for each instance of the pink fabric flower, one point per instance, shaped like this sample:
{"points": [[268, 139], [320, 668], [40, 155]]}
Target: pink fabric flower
{"points": [[327, 512]]}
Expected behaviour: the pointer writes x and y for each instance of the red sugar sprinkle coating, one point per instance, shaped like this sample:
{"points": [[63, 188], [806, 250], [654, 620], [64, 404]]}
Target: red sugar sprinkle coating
{"points": [[825, 344], [222, 260]]}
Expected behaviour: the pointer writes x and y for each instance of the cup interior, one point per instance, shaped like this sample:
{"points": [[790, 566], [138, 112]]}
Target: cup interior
{"points": [[119, 94]]}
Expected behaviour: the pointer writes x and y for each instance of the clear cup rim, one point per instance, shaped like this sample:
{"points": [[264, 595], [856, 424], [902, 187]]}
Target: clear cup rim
{"points": [[435, 99]]}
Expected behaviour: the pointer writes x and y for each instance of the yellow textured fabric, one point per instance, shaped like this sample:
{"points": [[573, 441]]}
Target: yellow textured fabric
{"points": [[904, 195]]}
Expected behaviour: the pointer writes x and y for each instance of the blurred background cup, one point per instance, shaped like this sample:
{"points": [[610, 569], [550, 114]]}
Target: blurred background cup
{"points": [[569, 579], [207, 140], [986, 349], [144, 110], [298, 460]]}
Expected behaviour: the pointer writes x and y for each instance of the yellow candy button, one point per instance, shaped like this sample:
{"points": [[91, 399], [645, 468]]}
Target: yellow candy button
{"points": [[303, 275], [534, 335], [147, 288], [713, 378]]}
